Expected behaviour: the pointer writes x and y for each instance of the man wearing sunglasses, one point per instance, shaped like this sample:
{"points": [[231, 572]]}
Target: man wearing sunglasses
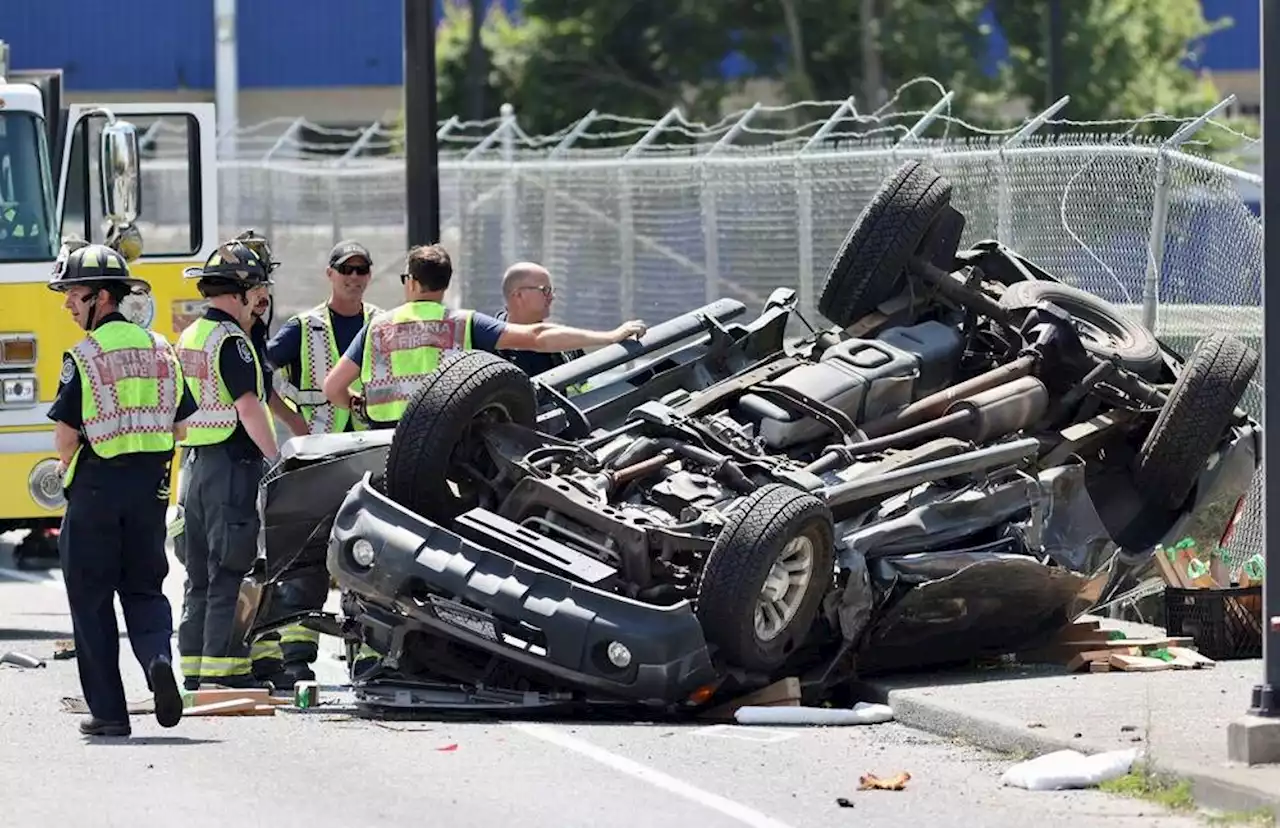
{"points": [[401, 347], [304, 350], [527, 295]]}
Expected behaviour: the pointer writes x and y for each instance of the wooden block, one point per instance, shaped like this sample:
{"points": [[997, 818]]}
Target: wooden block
{"points": [[1148, 643], [1100, 667], [200, 698], [1137, 664], [227, 707], [1083, 659], [784, 693], [1190, 658]]}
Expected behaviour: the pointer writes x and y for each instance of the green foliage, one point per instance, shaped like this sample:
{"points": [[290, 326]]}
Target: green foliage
{"points": [[560, 58]]}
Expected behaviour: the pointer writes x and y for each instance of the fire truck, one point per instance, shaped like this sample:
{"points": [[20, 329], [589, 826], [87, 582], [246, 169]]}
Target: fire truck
{"points": [[95, 172]]}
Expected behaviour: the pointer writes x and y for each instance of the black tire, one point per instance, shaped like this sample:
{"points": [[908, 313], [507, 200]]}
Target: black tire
{"points": [[869, 267], [1105, 331], [1191, 423], [757, 532], [436, 426]]}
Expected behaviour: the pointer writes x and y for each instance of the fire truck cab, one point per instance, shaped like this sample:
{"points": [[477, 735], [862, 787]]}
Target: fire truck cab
{"points": [[142, 177]]}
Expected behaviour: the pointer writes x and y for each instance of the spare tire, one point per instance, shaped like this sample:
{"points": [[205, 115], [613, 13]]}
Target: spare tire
{"points": [[1192, 421], [436, 433], [869, 267], [1105, 331], [766, 575]]}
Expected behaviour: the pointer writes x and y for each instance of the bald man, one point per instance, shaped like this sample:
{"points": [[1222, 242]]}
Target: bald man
{"points": [[527, 295]]}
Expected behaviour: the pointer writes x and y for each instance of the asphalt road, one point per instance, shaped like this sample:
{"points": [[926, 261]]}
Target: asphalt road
{"points": [[326, 768]]}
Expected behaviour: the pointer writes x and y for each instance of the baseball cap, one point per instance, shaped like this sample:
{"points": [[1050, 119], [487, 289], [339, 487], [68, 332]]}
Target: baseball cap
{"points": [[344, 250]]}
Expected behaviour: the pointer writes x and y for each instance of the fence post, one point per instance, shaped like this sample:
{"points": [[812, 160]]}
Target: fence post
{"points": [[510, 224], [804, 205], [711, 210], [626, 218], [1004, 200], [1160, 211], [549, 197], [924, 123]]}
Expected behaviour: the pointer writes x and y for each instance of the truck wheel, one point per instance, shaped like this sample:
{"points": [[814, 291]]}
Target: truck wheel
{"points": [[766, 575], [870, 267], [436, 441], [1104, 330], [1191, 423]]}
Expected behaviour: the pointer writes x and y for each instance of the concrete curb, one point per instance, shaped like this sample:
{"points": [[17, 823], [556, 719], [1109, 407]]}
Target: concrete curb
{"points": [[1212, 787]]}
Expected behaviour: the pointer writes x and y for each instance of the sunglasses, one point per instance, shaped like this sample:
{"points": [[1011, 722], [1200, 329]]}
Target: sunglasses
{"points": [[347, 269]]}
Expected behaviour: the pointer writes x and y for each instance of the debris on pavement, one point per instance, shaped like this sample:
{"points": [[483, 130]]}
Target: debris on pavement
{"points": [[1067, 769], [783, 693], [77, 705], [844, 802], [861, 713], [871, 782], [63, 650], [306, 694], [229, 702], [21, 660], [1085, 647]]}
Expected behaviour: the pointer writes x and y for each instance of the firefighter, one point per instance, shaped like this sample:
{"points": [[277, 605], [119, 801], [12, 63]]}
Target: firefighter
{"points": [[400, 347], [304, 350], [120, 403], [231, 440]]}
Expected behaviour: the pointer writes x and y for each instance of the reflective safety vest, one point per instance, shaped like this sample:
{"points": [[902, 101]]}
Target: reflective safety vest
{"points": [[130, 386], [317, 355], [216, 418], [402, 347]]}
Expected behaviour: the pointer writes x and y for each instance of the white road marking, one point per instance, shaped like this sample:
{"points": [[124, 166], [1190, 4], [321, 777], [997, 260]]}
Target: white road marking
{"points": [[745, 734], [734, 810]]}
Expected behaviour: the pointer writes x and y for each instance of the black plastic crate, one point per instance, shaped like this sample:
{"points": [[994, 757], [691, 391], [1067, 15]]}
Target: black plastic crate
{"points": [[1225, 624]]}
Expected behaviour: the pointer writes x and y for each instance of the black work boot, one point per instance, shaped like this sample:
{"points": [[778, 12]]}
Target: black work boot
{"points": [[240, 683], [97, 727], [164, 690]]}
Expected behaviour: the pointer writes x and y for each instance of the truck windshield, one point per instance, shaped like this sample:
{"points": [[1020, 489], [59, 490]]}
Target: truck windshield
{"points": [[26, 193]]}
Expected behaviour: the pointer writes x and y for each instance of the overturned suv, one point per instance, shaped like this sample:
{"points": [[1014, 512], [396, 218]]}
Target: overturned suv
{"points": [[973, 454]]}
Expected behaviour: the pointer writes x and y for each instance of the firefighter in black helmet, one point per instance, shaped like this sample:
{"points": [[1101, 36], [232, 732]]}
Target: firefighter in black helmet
{"points": [[120, 402], [231, 439]]}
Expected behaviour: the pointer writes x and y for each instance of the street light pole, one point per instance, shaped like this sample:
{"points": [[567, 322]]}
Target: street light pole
{"points": [[1255, 738], [422, 171]]}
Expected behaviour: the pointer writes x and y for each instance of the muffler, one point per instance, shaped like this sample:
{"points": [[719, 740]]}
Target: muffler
{"points": [[1001, 410]]}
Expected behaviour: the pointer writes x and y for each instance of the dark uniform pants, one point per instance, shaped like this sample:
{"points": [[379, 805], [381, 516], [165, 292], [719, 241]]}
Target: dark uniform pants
{"points": [[220, 544], [299, 645], [112, 542]]}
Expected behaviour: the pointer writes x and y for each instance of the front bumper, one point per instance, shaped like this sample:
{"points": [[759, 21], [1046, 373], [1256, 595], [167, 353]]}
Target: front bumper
{"points": [[426, 579]]}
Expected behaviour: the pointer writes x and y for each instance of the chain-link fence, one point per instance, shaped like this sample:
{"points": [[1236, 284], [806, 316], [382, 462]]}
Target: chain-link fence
{"points": [[642, 225]]}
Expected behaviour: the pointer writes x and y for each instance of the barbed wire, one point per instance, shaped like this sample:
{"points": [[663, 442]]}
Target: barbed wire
{"points": [[811, 125]]}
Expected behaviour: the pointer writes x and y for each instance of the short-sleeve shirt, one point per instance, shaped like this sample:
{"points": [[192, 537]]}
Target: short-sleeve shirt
{"points": [[67, 409], [284, 351], [535, 362], [235, 363], [485, 333]]}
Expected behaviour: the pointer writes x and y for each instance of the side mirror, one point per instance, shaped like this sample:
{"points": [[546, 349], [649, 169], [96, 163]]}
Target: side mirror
{"points": [[118, 163]]}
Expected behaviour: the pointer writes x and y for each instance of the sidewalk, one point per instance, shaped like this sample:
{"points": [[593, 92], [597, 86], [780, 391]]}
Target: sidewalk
{"points": [[1179, 716]]}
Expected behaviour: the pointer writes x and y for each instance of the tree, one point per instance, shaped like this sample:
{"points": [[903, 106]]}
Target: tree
{"points": [[1122, 58]]}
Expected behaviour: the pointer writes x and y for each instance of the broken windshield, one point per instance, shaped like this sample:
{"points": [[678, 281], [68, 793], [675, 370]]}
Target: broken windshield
{"points": [[26, 193]]}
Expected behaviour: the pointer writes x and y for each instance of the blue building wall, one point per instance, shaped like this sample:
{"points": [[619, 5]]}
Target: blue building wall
{"points": [[317, 43]]}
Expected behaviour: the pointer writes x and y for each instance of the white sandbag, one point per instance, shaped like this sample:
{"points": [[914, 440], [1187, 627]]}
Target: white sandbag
{"points": [[1066, 769], [862, 713]]}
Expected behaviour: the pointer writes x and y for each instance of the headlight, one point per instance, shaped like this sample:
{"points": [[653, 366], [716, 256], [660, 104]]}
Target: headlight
{"points": [[619, 655], [19, 390], [362, 553], [45, 485]]}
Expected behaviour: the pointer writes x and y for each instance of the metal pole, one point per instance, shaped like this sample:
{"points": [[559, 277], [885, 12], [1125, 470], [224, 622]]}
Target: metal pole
{"points": [[926, 120], [1266, 696], [509, 226], [504, 124], [226, 78], [1004, 199], [579, 130], [1057, 66], [735, 130], [422, 171], [828, 125], [1160, 212], [653, 133]]}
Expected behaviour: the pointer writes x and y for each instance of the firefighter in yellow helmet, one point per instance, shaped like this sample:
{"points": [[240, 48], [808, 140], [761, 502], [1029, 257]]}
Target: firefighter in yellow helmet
{"points": [[230, 439], [120, 404]]}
